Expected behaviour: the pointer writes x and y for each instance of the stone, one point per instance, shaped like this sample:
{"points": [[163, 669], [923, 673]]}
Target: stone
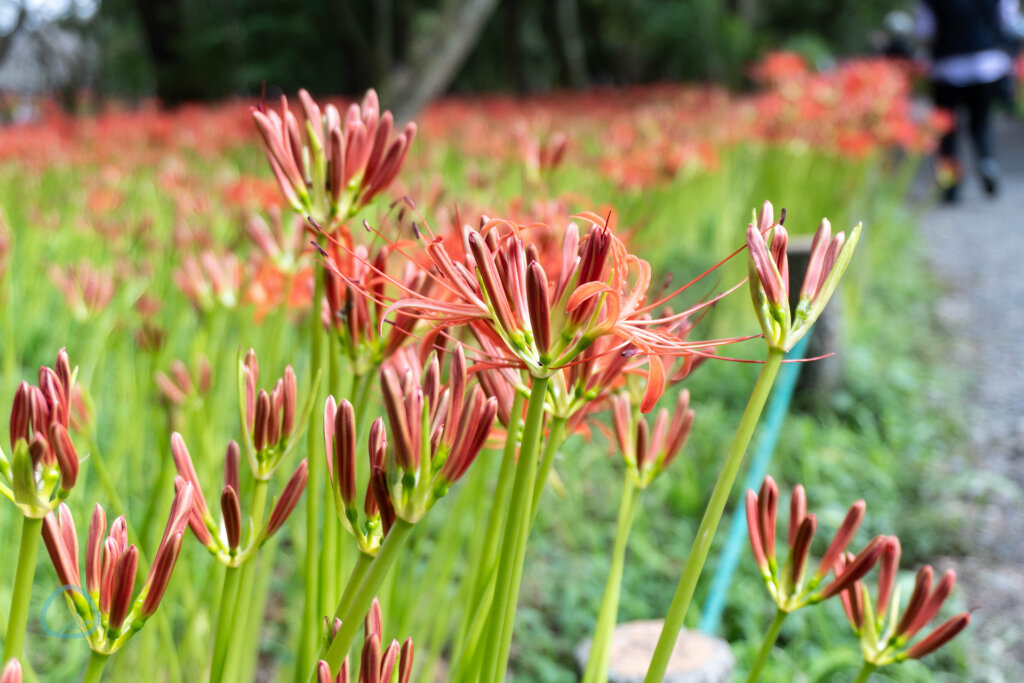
{"points": [[697, 657]]}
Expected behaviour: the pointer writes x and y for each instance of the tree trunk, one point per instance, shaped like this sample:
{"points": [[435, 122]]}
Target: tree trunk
{"points": [[436, 57], [163, 27]]}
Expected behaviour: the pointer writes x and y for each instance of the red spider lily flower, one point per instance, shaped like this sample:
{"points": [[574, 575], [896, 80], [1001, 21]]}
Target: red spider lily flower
{"points": [[536, 321], [44, 461], [111, 566], [885, 635], [648, 453], [86, 289], [210, 280], [769, 277], [376, 665], [332, 166], [789, 585], [269, 420], [11, 672], [178, 386]]}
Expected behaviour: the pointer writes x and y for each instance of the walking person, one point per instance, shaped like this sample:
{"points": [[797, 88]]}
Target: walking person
{"points": [[970, 65]]}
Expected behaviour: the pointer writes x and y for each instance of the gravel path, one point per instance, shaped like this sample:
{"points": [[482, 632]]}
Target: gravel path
{"points": [[977, 247]]}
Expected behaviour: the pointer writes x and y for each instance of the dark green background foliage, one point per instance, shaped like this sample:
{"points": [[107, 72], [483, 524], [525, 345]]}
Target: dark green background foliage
{"points": [[205, 49]]}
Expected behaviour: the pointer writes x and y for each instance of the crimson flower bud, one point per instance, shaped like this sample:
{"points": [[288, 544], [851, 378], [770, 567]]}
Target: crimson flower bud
{"points": [[11, 672], [123, 586], [940, 636], [289, 499], [847, 530], [232, 513]]}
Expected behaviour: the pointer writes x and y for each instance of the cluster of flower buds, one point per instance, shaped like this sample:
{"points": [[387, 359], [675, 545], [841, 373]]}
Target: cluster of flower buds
{"points": [[540, 157], [437, 430], [282, 244], [106, 610], [885, 634], [11, 672], [270, 426], [789, 585], [769, 276], [358, 319], [376, 665], [224, 540], [44, 463], [340, 443], [86, 288], [211, 280], [648, 454], [332, 166], [178, 387]]}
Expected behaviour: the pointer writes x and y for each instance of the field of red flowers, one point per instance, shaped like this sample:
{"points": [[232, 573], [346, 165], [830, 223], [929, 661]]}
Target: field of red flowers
{"points": [[154, 245]]}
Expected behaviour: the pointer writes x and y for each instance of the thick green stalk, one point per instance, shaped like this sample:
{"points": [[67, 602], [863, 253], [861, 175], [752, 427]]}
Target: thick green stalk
{"points": [[712, 516], [31, 530], [556, 436], [362, 565], [244, 606], [484, 566], [597, 662], [315, 474], [865, 672], [498, 641], [94, 671], [225, 622], [770, 636], [352, 620]]}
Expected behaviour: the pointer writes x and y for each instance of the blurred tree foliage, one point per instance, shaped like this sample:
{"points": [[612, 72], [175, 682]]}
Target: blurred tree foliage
{"points": [[414, 49]]}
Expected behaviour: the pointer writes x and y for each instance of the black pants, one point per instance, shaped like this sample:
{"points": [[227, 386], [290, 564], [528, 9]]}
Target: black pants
{"points": [[977, 100]]}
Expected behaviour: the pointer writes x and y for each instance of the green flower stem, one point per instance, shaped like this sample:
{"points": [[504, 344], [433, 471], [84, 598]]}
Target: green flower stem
{"points": [[352, 620], [597, 662], [712, 516], [517, 529], [362, 565], [94, 671], [865, 672], [766, 646], [330, 553], [483, 577], [31, 530], [244, 606], [225, 622], [314, 477], [556, 437]]}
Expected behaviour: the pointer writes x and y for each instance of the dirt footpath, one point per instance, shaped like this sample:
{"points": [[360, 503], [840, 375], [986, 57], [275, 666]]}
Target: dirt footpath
{"points": [[977, 248]]}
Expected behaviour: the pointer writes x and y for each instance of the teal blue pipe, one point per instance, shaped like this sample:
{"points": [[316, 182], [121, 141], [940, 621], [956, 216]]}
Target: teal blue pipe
{"points": [[767, 436]]}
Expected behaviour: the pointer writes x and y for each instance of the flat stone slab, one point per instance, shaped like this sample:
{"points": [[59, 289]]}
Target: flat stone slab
{"points": [[697, 657]]}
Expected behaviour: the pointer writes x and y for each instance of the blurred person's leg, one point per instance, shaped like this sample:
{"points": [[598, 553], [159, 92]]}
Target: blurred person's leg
{"points": [[979, 100], [947, 168]]}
